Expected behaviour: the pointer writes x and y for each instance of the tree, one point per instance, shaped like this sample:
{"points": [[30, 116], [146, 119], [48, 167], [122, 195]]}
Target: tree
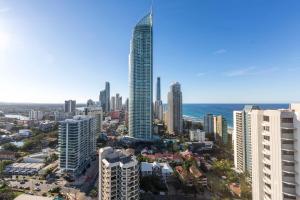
{"points": [[3, 164], [10, 147]]}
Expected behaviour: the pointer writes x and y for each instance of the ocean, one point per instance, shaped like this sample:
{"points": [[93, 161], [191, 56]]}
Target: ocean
{"points": [[197, 111]]}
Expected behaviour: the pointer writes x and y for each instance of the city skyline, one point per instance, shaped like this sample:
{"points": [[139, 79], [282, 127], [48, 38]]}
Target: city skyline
{"points": [[235, 54]]}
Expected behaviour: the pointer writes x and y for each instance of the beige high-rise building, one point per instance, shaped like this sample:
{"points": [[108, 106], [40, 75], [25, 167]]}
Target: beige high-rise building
{"points": [[175, 109], [275, 138], [241, 139], [118, 175]]}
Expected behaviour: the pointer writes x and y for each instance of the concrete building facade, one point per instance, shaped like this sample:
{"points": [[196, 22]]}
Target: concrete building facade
{"points": [[118, 175]]}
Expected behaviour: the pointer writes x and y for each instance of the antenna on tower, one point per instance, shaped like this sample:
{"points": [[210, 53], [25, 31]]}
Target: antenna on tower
{"points": [[151, 7]]}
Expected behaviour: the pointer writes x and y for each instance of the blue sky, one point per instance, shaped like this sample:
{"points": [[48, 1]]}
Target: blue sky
{"points": [[220, 51]]}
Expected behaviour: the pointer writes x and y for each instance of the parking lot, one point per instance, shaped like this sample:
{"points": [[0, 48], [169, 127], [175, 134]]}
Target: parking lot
{"points": [[32, 186]]}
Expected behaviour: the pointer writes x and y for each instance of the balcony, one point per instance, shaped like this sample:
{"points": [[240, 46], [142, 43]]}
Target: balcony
{"points": [[287, 136], [289, 158], [289, 147], [266, 161], [289, 169], [288, 179], [266, 133], [267, 180], [289, 191]]}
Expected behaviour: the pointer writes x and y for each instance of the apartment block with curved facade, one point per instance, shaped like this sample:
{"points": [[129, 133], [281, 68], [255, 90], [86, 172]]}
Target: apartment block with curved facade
{"points": [[118, 175]]}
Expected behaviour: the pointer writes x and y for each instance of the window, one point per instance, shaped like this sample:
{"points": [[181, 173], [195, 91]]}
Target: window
{"points": [[286, 120], [268, 166], [266, 118], [287, 142], [268, 175], [284, 152], [288, 185], [267, 156], [285, 196], [267, 138], [267, 194], [266, 128], [268, 185], [287, 130], [267, 147]]}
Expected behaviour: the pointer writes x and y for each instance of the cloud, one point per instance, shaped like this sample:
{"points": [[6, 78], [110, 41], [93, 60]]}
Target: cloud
{"points": [[250, 71], [220, 51], [5, 9]]}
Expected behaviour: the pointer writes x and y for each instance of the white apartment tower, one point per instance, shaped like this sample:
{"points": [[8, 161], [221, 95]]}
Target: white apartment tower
{"points": [[118, 175], [36, 115], [77, 143], [275, 138], [241, 139]]}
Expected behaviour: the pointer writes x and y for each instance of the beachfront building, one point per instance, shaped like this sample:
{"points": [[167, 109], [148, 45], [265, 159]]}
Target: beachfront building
{"points": [[175, 121], [209, 124], [140, 80], [158, 105], [241, 139], [275, 160], [77, 143], [118, 175], [220, 129]]}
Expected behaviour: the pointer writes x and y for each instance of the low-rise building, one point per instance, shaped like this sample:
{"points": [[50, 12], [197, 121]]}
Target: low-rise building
{"points": [[159, 169], [7, 155], [47, 126], [24, 133], [201, 178], [197, 135], [27, 169]]}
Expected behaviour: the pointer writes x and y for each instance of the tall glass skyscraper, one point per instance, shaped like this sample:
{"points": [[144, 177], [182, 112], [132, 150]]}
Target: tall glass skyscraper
{"points": [[140, 80]]}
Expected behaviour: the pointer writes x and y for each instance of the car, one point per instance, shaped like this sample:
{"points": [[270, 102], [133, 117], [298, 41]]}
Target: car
{"points": [[37, 189], [22, 182], [36, 184]]}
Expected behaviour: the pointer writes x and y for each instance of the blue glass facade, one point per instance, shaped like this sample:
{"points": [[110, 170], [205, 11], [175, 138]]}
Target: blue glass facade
{"points": [[140, 80]]}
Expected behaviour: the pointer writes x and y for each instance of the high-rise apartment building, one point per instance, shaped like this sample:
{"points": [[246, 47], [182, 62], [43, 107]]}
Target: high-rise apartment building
{"points": [[118, 102], [70, 106], [107, 96], [241, 139], [113, 103], [275, 138], [36, 115], [97, 113], [158, 95], [220, 129], [77, 143], [175, 109], [90, 103], [209, 123], [104, 98], [118, 175], [158, 105], [140, 80]]}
